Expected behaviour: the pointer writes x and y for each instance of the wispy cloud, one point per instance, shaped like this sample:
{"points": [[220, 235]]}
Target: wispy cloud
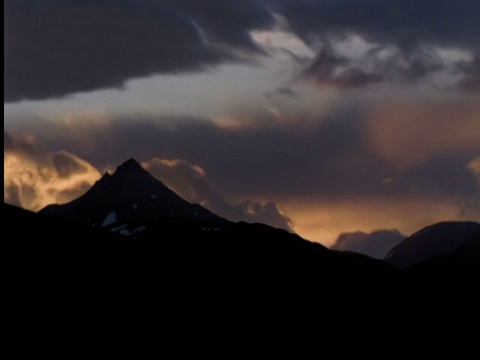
{"points": [[350, 62], [192, 183]]}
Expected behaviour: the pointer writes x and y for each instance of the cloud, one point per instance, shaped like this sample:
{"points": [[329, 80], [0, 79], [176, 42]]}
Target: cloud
{"points": [[323, 221], [472, 81], [474, 167], [406, 151], [191, 182], [54, 48], [226, 21], [410, 132], [422, 146], [279, 41], [407, 21], [376, 244], [81, 46], [350, 61], [34, 177]]}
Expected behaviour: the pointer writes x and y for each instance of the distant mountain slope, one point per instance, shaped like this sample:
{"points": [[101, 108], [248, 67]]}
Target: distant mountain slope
{"points": [[463, 262], [440, 239], [375, 244]]}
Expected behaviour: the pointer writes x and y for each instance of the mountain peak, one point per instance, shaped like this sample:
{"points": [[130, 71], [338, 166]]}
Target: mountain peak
{"points": [[131, 169], [130, 164], [128, 172], [131, 195]]}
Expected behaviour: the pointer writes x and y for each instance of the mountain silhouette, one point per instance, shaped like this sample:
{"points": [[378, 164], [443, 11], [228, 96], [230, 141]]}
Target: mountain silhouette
{"points": [[439, 239], [151, 226], [132, 203], [128, 201], [464, 262]]}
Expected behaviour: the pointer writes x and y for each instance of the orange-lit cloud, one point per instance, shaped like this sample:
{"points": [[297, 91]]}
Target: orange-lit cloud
{"points": [[474, 167], [412, 132], [34, 178], [323, 222]]}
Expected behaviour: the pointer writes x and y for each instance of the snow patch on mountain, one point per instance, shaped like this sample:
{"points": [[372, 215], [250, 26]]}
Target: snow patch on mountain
{"points": [[110, 219]]}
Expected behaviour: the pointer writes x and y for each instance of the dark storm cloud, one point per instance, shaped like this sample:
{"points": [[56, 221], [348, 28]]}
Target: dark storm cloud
{"points": [[389, 64], [226, 21], [408, 25], [335, 159], [472, 81], [53, 48], [285, 91], [58, 47], [404, 22], [323, 68]]}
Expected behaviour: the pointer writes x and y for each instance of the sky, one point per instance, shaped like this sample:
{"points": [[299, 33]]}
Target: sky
{"points": [[318, 116]]}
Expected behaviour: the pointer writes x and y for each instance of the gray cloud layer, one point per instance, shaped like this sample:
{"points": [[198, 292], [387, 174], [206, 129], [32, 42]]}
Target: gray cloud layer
{"points": [[376, 244], [57, 47], [405, 22], [349, 154], [54, 48], [388, 64]]}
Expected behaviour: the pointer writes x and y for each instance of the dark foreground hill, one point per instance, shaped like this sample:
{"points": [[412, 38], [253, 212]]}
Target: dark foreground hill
{"points": [[131, 252], [185, 251], [79, 286]]}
